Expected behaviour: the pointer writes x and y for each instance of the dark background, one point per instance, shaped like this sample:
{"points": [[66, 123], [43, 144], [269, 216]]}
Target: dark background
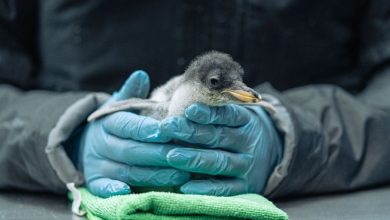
{"points": [[95, 45]]}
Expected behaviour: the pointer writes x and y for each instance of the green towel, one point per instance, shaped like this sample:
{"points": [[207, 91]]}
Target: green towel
{"points": [[167, 206]]}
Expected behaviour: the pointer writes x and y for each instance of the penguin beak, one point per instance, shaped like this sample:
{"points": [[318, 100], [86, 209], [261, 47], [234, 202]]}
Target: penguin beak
{"points": [[244, 94]]}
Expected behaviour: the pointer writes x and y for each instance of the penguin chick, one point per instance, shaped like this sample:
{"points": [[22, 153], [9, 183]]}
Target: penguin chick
{"points": [[213, 78]]}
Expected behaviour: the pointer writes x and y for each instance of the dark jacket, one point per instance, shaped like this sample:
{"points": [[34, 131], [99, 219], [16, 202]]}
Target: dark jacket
{"points": [[327, 60]]}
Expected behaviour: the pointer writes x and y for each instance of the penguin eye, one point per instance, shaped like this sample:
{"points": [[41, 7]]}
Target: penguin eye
{"points": [[214, 82]]}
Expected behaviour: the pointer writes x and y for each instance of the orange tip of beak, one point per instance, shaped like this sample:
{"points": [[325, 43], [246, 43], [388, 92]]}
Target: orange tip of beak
{"points": [[243, 96]]}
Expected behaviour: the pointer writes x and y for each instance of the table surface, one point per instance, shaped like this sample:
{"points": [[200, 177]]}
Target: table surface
{"points": [[367, 204]]}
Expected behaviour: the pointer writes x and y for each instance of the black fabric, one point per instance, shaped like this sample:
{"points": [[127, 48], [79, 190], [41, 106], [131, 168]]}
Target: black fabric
{"points": [[69, 45], [18, 55], [95, 45]]}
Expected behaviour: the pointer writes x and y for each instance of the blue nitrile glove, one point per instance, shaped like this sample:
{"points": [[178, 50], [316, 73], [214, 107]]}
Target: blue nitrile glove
{"points": [[240, 148], [125, 149]]}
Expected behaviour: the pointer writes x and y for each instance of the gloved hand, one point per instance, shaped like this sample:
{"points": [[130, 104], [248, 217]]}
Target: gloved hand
{"points": [[240, 148], [112, 156]]}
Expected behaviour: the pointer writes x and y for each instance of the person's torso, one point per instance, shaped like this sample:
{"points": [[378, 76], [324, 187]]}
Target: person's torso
{"points": [[95, 45]]}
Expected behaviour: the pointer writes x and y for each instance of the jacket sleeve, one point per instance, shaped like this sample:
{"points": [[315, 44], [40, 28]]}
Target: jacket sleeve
{"points": [[335, 140], [34, 126], [26, 119]]}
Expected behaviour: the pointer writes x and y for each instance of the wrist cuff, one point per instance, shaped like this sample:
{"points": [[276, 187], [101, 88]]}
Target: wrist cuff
{"points": [[67, 123], [283, 123]]}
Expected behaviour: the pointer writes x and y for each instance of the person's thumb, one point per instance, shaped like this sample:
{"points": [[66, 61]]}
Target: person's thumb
{"points": [[136, 86]]}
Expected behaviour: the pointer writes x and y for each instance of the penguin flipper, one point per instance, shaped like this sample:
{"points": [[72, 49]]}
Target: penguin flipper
{"points": [[128, 104]]}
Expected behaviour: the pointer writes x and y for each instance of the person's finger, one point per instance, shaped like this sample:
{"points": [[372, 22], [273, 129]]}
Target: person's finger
{"points": [[211, 136], [145, 176], [105, 187], [212, 162], [216, 187], [134, 152], [229, 115], [136, 127], [137, 85]]}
